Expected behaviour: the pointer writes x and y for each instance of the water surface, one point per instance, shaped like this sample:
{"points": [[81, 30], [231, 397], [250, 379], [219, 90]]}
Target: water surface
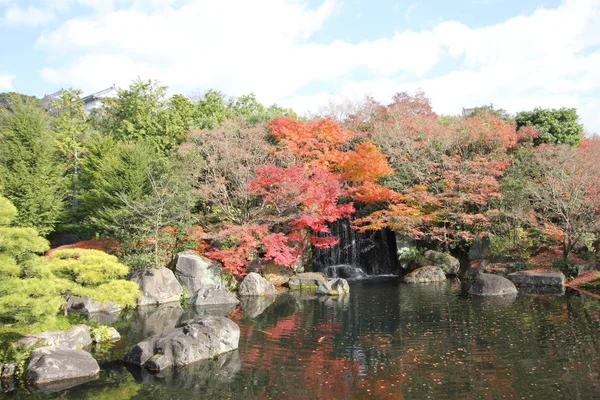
{"points": [[387, 340]]}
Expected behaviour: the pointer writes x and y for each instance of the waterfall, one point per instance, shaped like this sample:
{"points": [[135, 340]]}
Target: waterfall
{"points": [[373, 252]]}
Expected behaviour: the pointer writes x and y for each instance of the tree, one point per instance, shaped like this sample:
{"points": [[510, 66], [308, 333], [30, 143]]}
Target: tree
{"points": [[29, 173], [567, 191], [70, 127], [143, 111], [555, 126], [222, 161]]}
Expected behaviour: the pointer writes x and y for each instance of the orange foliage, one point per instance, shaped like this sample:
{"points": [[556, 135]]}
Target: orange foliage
{"points": [[110, 246]]}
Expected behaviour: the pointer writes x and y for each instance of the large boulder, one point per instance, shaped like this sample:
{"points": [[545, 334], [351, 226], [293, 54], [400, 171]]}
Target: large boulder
{"points": [[53, 364], [492, 285], [158, 286], [307, 281], [450, 265], [197, 340], [211, 295], [425, 274], [334, 287], [195, 271], [75, 338], [255, 285], [527, 278]]}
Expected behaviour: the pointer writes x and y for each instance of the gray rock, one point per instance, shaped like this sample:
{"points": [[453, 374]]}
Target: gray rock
{"points": [[492, 285], [334, 287], [150, 320], [221, 310], [450, 265], [254, 306], [158, 286], [195, 271], [344, 271], [255, 285], [104, 313], [583, 268], [198, 340], [212, 295], [8, 371], [52, 364], [76, 337], [527, 278], [425, 274], [307, 281], [479, 249]]}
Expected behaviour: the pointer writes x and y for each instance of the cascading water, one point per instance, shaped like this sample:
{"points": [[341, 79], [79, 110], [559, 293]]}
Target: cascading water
{"points": [[373, 252]]}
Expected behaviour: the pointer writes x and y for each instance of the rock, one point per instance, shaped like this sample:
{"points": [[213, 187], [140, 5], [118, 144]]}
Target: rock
{"points": [[8, 371], [527, 278], [254, 306], [221, 310], [212, 295], [158, 286], [76, 337], [197, 340], [583, 268], [104, 313], [150, 320], [307, 281], [255, 285], [425, 274], [344, 271], [53, 364], [334, 287], [450, 265], [492, 285], [195, 271]]}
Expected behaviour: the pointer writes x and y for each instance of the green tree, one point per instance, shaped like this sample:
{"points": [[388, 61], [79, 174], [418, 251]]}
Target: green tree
{"points": [[29, 172], [70, 127], [555, 126], [142, 111]]}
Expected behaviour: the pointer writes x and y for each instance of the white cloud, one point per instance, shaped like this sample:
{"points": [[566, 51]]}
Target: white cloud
{"points": [[543, 59], [28, 16], [7, 82]]}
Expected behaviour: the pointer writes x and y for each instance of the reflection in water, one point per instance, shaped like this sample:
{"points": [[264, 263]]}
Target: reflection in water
{"points": [[254, 306], [389, 340], [149, 320], [195, 312]]}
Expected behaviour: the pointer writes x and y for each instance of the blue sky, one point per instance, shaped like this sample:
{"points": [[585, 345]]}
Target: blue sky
{"points": [[305, 53]]}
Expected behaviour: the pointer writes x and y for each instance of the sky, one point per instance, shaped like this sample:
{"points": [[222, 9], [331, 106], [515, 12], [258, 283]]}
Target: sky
{"points": [[514, 54]]}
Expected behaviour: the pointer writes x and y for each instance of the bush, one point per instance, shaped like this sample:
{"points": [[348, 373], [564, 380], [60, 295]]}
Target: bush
{"points": [[566, 266], [407, 255], [518, 266]]}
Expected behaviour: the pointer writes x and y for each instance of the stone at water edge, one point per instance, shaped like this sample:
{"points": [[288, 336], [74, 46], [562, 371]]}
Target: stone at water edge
{"points": [[492, 285], [195, 271], [7, 371], [450, 265], [210, 295], [76, 337], [307, 281], [197, 340], [255, 285], [86, 306], [158, 286], [527, 278], [334, 287], [425, 274], [52, 364]]}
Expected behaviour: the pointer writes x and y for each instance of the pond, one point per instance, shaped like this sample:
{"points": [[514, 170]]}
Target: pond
{"points": [[386, 340]]}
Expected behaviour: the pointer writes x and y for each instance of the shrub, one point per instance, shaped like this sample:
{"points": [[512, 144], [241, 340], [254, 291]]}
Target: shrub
{"points": [[518, 266], [566, 266]]}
